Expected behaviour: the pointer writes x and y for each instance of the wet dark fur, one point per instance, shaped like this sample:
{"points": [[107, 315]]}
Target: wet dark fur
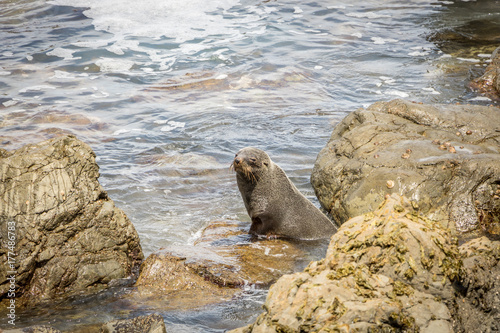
{"points": [[274, 204]]}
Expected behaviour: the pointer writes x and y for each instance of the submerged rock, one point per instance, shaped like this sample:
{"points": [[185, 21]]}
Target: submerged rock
{"points": [[186, 276], [391, 270], [23, 127], [213, 81], [469, 38], [67, 236], [217, 266], [489, 83], [445, 158], [145, 324]]}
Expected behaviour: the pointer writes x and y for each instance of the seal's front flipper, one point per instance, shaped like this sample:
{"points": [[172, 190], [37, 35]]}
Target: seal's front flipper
{"points": [[261, 224]]}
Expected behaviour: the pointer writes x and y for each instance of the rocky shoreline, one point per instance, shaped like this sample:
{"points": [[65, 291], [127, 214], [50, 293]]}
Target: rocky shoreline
{"points": [[72, 241], [391, 270], [407, 181], [415, 189]]}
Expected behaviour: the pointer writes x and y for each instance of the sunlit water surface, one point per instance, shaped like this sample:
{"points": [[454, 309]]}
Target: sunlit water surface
{"points": [[167, 91]]}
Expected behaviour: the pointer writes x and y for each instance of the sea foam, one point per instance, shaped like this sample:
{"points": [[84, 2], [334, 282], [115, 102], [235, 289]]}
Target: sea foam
{"points": [[181, 20]]}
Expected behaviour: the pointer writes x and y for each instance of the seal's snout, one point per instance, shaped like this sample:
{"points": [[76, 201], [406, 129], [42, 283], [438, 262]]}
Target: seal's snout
{"points": [[243, 166], [238, 164]]}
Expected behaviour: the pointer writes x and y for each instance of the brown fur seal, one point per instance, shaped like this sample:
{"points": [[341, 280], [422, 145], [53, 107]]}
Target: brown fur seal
{"points": [[274, 204]]}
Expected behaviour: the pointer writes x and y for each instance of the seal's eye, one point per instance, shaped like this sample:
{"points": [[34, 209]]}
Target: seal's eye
{"points": [[253, 160]]}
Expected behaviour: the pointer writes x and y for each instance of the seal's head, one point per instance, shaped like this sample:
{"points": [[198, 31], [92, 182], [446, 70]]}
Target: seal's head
{"points": [[250, 163]]}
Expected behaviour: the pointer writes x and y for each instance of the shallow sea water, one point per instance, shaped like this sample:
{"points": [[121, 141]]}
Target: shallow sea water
{"points": [[167, 91]]}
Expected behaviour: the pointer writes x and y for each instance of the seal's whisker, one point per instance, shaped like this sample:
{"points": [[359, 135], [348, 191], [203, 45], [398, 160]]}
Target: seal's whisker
{"points": [[246, 173], [250, 175], [252, 178]]}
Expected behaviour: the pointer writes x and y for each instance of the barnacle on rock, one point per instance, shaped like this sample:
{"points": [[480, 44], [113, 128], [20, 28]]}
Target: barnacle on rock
{"points": [[409, 273], [369, 216], [345, 270], [400, 288], [337, 309], [426, 259], [399, 208], [403, 322]]}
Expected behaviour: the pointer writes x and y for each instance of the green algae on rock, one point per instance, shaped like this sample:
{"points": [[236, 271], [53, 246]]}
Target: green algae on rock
{"points": [[391, 270], [363, 283]]}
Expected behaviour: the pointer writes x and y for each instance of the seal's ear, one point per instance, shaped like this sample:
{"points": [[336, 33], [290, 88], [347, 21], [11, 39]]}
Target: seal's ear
{"points": [[266, 164]]}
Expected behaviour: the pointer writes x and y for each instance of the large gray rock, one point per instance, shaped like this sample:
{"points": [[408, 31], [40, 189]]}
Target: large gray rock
{"points": [[391, 270], [445, 158], [67, 236]]}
